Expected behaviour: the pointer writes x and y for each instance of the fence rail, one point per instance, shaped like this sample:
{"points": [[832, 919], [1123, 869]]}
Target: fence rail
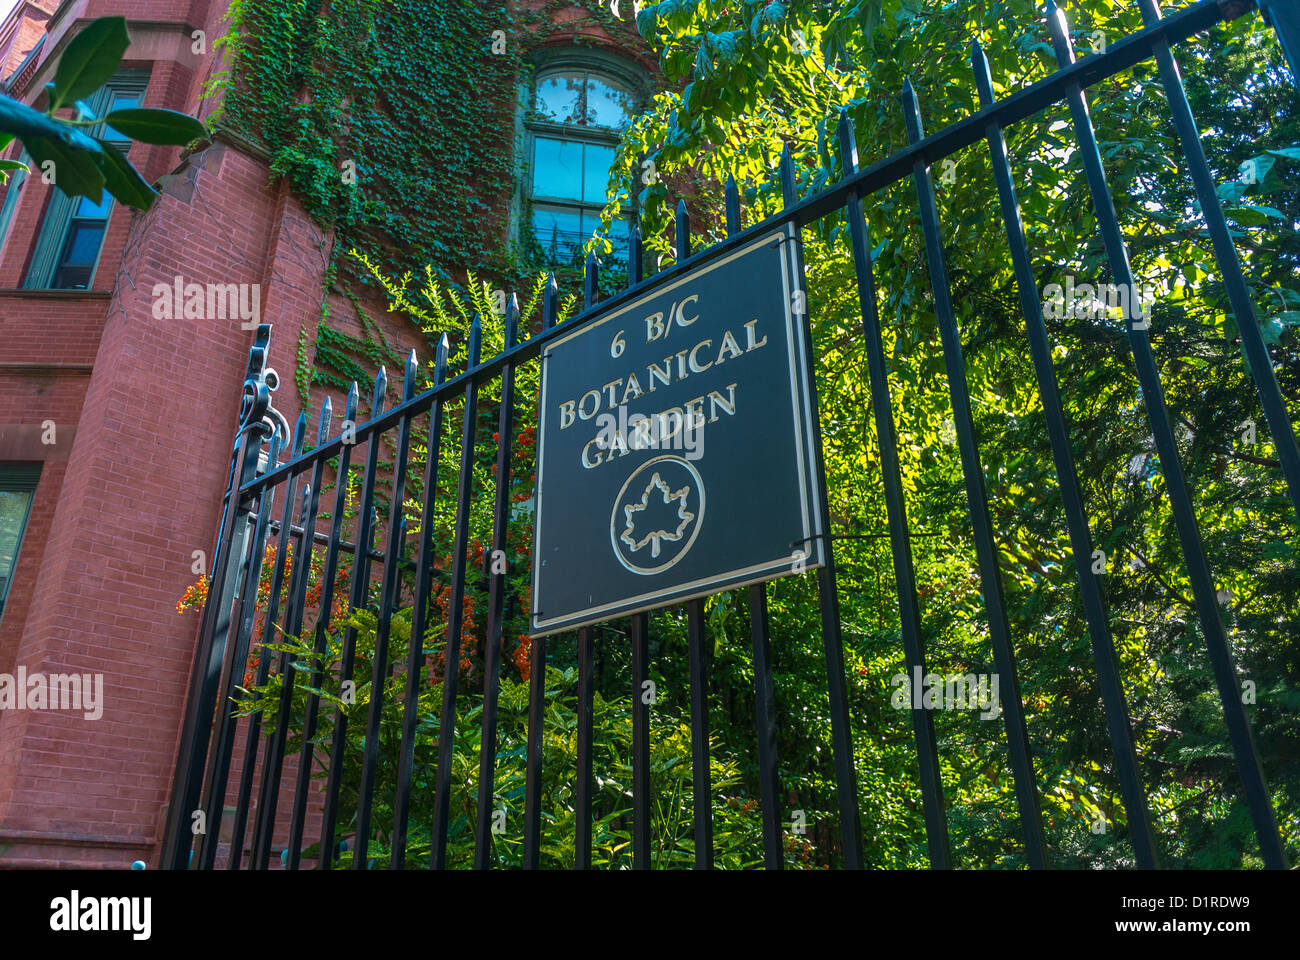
{"points": [[258, 476]]}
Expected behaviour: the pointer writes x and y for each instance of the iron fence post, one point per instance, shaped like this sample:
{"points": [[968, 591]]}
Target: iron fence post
{"points": [[214, 629]]}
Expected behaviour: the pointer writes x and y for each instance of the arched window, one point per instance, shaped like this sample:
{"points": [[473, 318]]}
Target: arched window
{"points": [[578, 111]]}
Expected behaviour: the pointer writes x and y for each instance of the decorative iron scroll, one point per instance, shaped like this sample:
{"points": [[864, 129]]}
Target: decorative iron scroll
{"points": [[256, 409]]}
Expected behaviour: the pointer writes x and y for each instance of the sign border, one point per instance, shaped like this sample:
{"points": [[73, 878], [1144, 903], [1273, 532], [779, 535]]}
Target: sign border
{"points": [[811, 493]]}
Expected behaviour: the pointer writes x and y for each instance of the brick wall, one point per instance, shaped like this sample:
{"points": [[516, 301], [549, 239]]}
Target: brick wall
{"points": [[145, 411], [21, 30]]}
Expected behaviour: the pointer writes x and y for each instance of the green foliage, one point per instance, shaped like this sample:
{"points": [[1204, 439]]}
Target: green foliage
{"points": [[737, 826], [762, 76]]}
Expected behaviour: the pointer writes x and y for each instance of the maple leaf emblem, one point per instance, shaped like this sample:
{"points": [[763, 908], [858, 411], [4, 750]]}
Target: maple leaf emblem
{"points": [[656, 537]]}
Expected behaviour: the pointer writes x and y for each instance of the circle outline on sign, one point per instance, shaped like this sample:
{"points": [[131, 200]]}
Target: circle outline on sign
{"points": [[618, 502]]}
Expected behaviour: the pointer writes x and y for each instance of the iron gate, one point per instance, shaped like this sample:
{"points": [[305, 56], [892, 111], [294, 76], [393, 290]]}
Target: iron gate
{"points": [[269, 466]]}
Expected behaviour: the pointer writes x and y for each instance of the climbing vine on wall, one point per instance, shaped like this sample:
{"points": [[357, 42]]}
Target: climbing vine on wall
{"points": [[365, 107], [394, 122]]}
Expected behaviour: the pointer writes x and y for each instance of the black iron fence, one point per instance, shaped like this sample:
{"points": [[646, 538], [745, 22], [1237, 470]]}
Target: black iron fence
{"points": [[252, 587]]}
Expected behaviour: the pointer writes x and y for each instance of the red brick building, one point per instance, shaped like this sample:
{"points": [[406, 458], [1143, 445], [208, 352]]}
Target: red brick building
{"points": [[116, 426]]}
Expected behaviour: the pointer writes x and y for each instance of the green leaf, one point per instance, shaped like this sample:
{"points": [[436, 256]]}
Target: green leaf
{"points": [[726, 46], [1255, 170], [1266, 211], [1272, 328], [124, 181], [18, 119], [75, 171], [1231, 191], [647, 20], [1247, 215], [8, 165], [150, 125], [89, 60]]}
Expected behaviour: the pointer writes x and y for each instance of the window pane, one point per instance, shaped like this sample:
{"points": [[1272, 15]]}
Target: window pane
{"points": [[13, 514], [608, 104], [618, 237], [596, 175], [16, 181], [75, 268], [83, 242], [88, 209], [557, 169], [559, 97], [559, 232], [121, 101]]}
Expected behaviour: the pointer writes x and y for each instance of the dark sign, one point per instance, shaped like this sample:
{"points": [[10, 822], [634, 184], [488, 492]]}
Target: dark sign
{"points": [[676, 448]]}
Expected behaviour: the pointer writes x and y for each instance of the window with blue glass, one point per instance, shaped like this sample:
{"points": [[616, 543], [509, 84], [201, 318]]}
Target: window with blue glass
{"points": [[72, 232], [577, 117], [17, 490]]}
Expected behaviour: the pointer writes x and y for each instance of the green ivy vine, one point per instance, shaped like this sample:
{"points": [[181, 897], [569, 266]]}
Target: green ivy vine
{"points": [[393, 122]]}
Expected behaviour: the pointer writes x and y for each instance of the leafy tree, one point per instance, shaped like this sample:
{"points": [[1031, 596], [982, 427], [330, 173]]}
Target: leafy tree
{"points": [[753, 78]]}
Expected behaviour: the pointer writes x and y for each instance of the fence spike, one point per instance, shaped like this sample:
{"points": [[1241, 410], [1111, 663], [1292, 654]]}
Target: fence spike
{"points": [[635, 250], [326, 416], [381, 392], [408, 381], [1114, 705], [455, 620], [1019, 753], [1217, 644], [590, 278], [1060, 30], [789, 194], [911, 111], [979, 63], [475, 343], [388, 599], [1285, 20], [733, 205], [550, 302], [683, 232], [299, 433], [440, 362], [848, 143], [512, 321], [1225, 254], [354, 397], [420, 597]]}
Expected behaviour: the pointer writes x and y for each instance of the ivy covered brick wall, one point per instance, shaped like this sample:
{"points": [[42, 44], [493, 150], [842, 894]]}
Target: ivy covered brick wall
{"points": [[395, 122]]}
